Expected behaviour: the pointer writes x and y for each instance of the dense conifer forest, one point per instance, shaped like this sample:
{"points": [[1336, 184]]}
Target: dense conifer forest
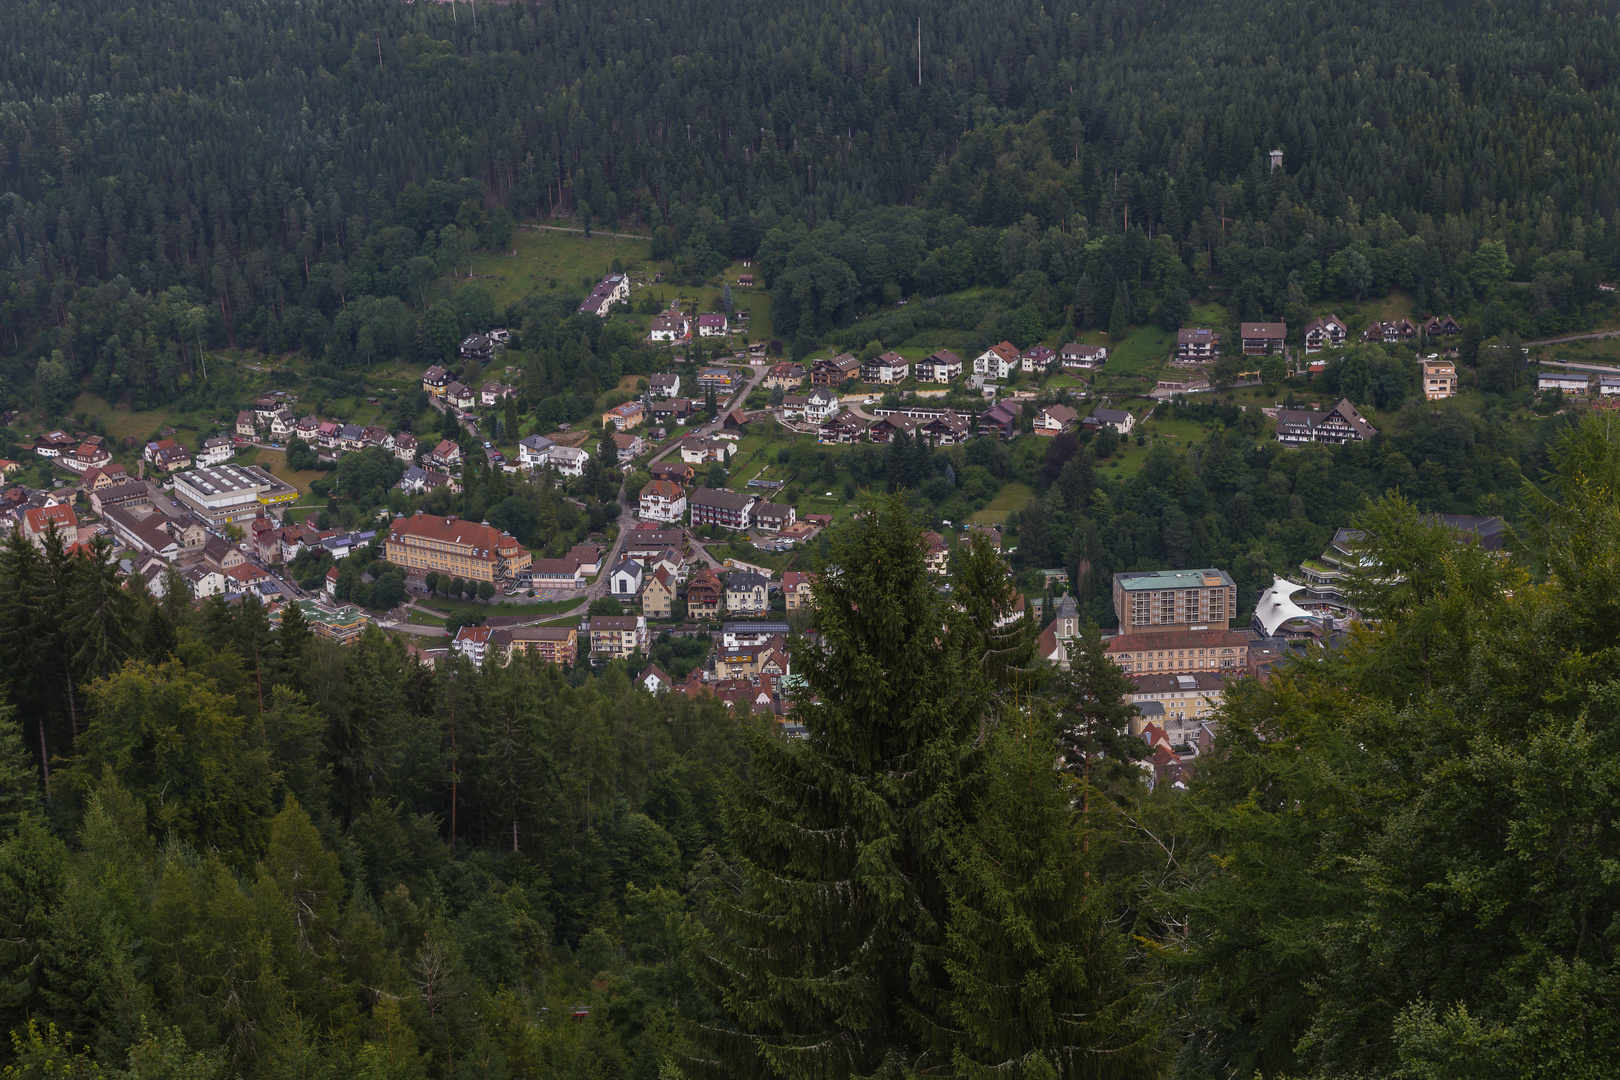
{"points": [[235, 849]]}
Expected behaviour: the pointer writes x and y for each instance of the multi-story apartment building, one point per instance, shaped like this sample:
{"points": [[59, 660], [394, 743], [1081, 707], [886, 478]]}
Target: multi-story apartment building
{"points": [[553, 644], [450, 545], [1156, 601], [614, 637], [718, 506]]}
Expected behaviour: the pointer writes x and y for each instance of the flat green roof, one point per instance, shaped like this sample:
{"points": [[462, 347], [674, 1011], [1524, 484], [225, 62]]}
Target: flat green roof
{"points": [[1172, 579]]}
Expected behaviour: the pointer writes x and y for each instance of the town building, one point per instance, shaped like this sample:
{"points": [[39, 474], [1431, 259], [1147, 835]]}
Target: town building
{"points": [[1324, 333], [713, 324], [664, 385], [1118, 419], [556, 575], [624, 580], [1197, 344], [1076, 356], [796, 586], [705, 595], [231, 493], [1039, 359], [1180, 651], [670, 410], [1389, 333], [569, 460], [999, 361], [1439, 379], [627, 446], [613, 289], [624, 417], [1441, 326], [1263, 338], [772, 517], [1053, 419], [720, 507], [1184, 700], [166, 454], [552, 644], [663, 500], [451, 545], [785, 376], [658, 594], [215, 451], [939, 367], [722, 380], [1340, 424], [835, 372], [534, 451], [747, 592], [1001, 419], [614, 637], [889, 367], [1575, 384], [671, 325], [1164, 600]]}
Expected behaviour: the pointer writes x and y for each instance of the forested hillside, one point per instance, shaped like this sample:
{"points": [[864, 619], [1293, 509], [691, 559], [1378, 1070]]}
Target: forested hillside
{"points": [[183, 175]]}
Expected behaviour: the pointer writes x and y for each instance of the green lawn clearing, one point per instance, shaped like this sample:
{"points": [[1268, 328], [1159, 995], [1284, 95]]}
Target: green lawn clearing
{"points": [[1012, 497], [548, 261]]}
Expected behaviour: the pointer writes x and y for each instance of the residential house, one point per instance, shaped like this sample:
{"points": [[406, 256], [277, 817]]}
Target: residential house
{"points": [[884, 430], [1608, 386], [477, 347], [282, 425], [785, 376], [624, 417], [670, 410], [534, 451], [376, 436], [222, 554], [612, 289], [772, 517], [1118, 419], [405, 447], [722, 380], [86, 456], [1196, 344], [1038, 359], [672, 325], [658, 594], [569, 460], [264, 409], [947, 429], [645, 543], [624, 580], [1439, 378], [493, 393], [1263, 339], [246, 426], [328, 434], [1441, 326], [473, 643], [436, 380], [1001, 419], [1389, 333], [1077, 356], [655, 681], [721, 507], [997, 362], [614, 637], [460, 396], [747, 592], [1340, 424], [889, 367], [1573, 383], [704, 595], [351, 438], [936, 556], [938, 367], [796, 590], [204, 581], [308, 426], [447, 455], [215, 451], [664, 385], [1324, 332], [846, 427], [820, 406], [1053, 419], [835, 372], [674, 471], [414, 481], [627, 446], [56, 443], [167, 455], [662, 500], [697, 450], [713, 324]]}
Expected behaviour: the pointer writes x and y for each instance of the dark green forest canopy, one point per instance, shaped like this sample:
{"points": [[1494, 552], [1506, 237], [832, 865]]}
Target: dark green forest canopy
{"points": [[184, 174]]}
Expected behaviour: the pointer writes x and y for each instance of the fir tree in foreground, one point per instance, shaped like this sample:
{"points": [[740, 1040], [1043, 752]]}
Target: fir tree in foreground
{"points": [[851, 941]]}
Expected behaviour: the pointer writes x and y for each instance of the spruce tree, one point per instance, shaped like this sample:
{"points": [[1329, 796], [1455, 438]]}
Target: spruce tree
{"points": [[1094, 709], [824, 952], [1038, 988]]}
